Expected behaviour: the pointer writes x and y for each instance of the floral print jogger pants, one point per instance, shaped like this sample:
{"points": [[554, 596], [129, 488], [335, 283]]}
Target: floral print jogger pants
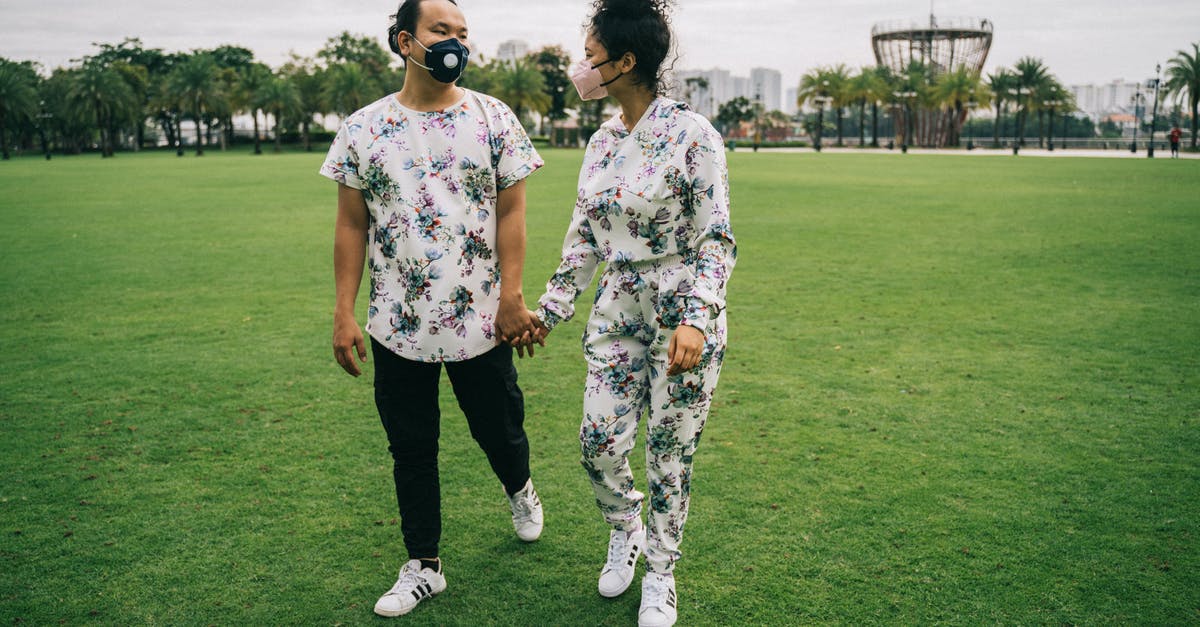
{"points": [[626, 350]]}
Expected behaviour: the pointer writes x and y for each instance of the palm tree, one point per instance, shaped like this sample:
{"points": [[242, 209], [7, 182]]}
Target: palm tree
{"points": [[132, 113], [522, 87], [221, 107], [303, 74], [816, 86], [554, 62], [953, 90], [347, 88], [101, 91], [69, 119], [916, 79], [880, 90], [839, 90], [1050, 97], [1001, 82], [1183, 77], [18, 98], [860, 90], [142, 69], [251, 80], [1032, 75], [194, 81], [279, 98]]}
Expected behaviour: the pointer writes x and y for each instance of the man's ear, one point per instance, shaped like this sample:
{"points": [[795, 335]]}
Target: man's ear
{"points": [[404, 43]]}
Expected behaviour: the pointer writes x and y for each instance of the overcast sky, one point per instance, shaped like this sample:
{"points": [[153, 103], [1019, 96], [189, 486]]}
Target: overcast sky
{"points": [[1082, 41]]}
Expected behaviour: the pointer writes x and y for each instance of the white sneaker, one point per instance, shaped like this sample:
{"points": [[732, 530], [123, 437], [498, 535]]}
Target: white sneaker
{"points": [[658, 601], [526, 513], [414, 585], [623, 551]]}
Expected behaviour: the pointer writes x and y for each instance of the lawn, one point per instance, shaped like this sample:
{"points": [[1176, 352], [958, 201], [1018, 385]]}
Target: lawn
{"points": [[958, 391]]}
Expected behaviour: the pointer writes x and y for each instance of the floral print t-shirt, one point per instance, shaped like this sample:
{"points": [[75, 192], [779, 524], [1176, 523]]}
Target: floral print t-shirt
{"points": [[431, 182], [657, 195]]}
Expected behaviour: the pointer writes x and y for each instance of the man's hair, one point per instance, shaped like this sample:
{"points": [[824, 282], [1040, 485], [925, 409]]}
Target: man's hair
{"points": [[405, 20]]}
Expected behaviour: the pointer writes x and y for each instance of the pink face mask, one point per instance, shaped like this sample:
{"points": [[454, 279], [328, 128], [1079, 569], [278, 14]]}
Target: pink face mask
{"points": [[588, 82]]}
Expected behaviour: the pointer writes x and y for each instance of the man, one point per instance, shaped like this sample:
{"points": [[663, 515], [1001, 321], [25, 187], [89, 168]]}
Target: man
{"points": [[1175, 136], [431, 192]]}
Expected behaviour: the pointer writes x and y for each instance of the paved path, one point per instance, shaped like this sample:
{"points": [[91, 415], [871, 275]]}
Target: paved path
{"points": [[984, 152]]}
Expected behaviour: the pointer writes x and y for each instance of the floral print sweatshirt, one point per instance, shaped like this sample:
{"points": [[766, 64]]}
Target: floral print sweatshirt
{"points": [[656, 196]]}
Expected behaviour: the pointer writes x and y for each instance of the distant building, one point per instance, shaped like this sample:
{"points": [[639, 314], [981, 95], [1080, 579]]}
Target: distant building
{"points": [[704, 90], [789, 101], [767, 85], [1100, 101], [741, 88], [512, 50]]}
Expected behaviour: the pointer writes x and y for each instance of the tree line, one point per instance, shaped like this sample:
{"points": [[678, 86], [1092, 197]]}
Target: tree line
{"points": [[933, 107], [127, 96]]}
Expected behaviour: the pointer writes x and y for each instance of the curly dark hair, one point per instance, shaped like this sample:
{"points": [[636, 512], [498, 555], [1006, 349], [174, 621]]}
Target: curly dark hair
{"points": [[642, 27]]}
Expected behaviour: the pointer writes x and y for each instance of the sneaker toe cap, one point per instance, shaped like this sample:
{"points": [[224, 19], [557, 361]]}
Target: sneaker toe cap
{"points": [[612, 584], [653, 617]]}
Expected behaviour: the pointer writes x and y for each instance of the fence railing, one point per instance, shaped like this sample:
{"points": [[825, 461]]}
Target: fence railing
{"points": [[1070, 143]]}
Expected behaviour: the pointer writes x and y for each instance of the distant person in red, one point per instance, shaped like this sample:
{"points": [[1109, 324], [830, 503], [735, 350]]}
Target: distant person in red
{"points": [[1174, 137]]}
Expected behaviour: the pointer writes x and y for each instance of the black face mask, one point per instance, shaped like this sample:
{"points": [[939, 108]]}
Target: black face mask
{"points": [[447, 59]]}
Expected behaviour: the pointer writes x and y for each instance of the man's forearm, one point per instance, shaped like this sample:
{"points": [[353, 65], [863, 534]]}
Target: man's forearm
{"points": [[349, 251], [510, 243]]}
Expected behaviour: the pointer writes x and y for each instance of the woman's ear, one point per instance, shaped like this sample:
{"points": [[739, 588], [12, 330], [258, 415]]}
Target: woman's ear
{"points": [[628, 62]]}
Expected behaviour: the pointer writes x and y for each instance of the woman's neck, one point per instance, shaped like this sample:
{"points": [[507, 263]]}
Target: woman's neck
{"points": [[633, 105]]}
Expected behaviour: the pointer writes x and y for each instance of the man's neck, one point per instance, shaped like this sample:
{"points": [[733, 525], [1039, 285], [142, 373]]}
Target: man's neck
{"points": [[426, 94]]}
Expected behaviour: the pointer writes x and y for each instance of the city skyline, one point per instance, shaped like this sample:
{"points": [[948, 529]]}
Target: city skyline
{"points": [[724, 34]]}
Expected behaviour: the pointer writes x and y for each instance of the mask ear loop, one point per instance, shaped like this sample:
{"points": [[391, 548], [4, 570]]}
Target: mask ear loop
{"points": [[618, 77], [427, 50]]}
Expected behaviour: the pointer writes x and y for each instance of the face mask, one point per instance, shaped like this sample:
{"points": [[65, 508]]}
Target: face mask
{"points": [[447, 59], [588, 82]]}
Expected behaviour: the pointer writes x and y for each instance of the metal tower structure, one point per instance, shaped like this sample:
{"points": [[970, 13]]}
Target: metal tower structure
{"points": [[941, 46]]}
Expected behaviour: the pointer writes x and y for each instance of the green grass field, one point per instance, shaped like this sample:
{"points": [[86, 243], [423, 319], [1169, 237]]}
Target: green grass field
{"points": [[958, 391]]}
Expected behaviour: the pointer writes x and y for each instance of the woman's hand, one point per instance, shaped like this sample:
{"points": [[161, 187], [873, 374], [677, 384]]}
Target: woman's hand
{"points": [[685, 349]]}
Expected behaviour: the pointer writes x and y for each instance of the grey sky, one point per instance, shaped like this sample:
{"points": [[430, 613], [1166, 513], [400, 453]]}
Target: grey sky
{"points": [[1082, 41]]}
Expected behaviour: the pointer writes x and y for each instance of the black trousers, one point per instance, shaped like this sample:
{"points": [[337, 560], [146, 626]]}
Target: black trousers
{"points": [[406, 394]]}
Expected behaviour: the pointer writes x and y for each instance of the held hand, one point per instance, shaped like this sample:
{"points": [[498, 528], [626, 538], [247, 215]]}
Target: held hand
{"points": [[685, 349], [538, 335], [512, 320], [348, 340]]}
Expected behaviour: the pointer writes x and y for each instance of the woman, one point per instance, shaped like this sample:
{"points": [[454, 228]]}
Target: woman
{"points": [[653, 204]]}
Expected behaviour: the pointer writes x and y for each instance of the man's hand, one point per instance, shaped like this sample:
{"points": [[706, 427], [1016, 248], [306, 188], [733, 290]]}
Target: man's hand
{"points": [[539, 336], [347, 340], [512, 320], [685, 349]]}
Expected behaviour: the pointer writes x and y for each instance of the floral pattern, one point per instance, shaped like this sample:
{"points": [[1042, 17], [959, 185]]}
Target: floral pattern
{"points": [[431, 181], [653, 206]]}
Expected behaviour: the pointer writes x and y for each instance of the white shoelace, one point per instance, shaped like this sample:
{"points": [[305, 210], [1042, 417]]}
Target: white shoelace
{"points": [[655, 595], [409, 580], [522, 506], [617, 550]]}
